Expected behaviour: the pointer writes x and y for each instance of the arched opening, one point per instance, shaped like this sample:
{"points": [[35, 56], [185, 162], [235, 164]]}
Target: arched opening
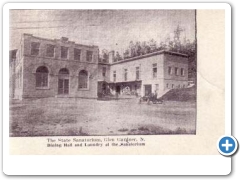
{"points": [[83, 79], [63, 81], [63, 71], [42, 77]]}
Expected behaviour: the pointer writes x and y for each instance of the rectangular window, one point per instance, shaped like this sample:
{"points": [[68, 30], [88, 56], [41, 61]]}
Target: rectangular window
{"points": [[17, 80], [104, 70], [176, 71], [182, 72], [156, 87], [77, 54], [89, 56], [169, 70], [155, 70], [64, 52], [125, 74], [83, 80], [172, 86], [20, 77], [137, 73], [114, 76], [167, 86], [50, 50], [35, 46]]}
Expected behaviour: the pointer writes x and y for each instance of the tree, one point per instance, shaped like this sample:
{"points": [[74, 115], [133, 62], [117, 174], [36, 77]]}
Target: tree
{"points": [[145, 48], [138, 48], [118, 57], [153, 45], [126, 54], [132, 49], [104, 55], [162, 46]]}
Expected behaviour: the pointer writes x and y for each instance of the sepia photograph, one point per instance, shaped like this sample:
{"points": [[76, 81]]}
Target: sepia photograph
{"points": [[97, 72]]}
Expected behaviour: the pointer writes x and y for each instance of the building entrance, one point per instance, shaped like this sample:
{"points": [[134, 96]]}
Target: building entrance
{"points": [[148, 89], [118, 89], [63, 86], [63, 81]]}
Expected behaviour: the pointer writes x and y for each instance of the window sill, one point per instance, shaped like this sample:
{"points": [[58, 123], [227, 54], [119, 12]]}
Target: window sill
{"points": [[42, 88], [83, 89]]}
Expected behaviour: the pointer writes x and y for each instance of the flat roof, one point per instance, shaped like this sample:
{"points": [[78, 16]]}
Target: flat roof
{"points": [[54, 40], [151, 54]]}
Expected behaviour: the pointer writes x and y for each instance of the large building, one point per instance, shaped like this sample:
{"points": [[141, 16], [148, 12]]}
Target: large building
{"points": [[158, 72], [54, 68], [62, 68]]}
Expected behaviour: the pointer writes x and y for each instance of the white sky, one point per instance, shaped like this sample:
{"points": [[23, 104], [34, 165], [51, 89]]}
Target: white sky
{"points": [[108, 29]]}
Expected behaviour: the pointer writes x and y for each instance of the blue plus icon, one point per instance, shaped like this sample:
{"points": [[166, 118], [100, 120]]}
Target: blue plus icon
{"points": [[227, 145]]}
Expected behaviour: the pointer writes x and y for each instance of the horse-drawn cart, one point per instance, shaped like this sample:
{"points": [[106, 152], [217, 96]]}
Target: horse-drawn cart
{"points": [[151, 98]]}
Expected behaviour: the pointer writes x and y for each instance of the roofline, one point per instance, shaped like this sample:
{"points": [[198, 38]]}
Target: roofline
{"points": [[54, 40], [13, 50], [151, 54], [104, 63]]}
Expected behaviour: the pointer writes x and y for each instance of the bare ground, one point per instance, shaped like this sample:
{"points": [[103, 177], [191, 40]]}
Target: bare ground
{"points": [[75, 116]]}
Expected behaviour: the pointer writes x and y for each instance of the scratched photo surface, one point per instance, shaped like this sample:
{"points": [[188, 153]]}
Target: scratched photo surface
{"points": [[102, 72]]}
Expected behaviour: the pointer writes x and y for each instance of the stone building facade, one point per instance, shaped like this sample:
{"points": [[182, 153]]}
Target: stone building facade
{"points": [[54, 68], [62, 68]]}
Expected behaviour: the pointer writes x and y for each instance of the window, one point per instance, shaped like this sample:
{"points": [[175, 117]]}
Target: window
{"points": [[176, 71], [167, 86], [155, 70], [169, 70], [125, 74], [114, 76], [35, 46], [63, 81], [77, 54], [156, 87], [64, 52], [42, 77], [104, 70], [20, 77], [172, 86], [17, 80], [182, 72], [50, 50], [83, 79], [137, 73], [63, 71], [89, 56]]}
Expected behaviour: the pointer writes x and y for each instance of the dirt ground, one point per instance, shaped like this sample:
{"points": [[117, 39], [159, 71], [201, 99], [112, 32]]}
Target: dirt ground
{"points": [[76, 116]]}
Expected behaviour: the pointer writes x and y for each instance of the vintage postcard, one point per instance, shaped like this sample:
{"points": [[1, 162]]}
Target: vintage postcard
{"points": [[116, 81], [102, 72]]}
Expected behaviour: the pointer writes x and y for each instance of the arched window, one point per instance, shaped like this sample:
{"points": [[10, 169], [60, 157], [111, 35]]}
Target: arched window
{"points": [[42, 77], [83, 79], [64, 71]]}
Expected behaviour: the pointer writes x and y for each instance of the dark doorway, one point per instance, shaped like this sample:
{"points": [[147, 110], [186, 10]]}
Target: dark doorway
{"points": [[148, 89], [104, 88], [63, 86], [63, 81], [118, 89]]}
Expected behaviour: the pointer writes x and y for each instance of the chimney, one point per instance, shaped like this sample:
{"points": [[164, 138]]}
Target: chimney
{"points": [[111, 57], [64, 39]]}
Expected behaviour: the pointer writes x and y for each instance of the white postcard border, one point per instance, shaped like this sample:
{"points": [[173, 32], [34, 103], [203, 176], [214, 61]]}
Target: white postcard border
{"points": [[115, 164]]}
